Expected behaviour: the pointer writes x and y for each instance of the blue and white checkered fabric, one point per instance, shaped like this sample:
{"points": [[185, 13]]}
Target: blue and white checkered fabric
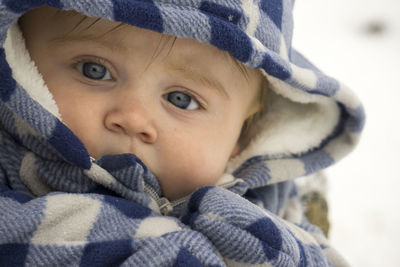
{"points": [[59, 208]]}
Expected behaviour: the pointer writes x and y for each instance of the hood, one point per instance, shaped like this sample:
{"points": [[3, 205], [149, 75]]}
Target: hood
{"points": [[310, 122]]}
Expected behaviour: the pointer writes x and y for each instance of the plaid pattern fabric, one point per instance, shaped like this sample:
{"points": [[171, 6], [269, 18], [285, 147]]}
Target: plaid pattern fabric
{"points": [[57, 207]]}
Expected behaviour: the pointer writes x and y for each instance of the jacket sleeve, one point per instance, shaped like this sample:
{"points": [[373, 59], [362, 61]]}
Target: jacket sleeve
{"points": [[246, 234], [61, 229]]}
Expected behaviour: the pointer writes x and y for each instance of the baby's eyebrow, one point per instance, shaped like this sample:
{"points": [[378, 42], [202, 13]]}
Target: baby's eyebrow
{"points": [[199, 76]]}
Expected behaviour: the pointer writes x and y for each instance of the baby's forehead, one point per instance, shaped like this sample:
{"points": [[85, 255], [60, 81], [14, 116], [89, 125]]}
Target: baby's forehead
{"points": [[73, 26]]}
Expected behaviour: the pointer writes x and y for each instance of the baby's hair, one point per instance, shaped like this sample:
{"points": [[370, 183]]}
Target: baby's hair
{"points": [[164, 39], [73, 13], [245, 135]]}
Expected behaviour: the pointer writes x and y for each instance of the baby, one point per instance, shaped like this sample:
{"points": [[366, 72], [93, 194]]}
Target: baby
{"points": [[163, 133], [178, 104]]}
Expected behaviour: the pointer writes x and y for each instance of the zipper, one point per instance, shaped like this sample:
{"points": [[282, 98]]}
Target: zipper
{"points": [[166, 207]]}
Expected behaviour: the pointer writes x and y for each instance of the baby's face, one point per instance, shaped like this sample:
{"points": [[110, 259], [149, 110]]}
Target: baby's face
{"points": [[179, 105]]}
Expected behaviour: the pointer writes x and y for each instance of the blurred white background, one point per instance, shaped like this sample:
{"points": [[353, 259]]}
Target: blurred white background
{"points": [[358, 42]]}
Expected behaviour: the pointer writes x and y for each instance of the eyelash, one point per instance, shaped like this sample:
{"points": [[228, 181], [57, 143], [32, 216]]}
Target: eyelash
{"points": [[193, 97], [95, 60]]}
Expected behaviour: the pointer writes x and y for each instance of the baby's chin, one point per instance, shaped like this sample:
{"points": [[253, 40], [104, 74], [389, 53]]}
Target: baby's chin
{"points": [[174, 189]]}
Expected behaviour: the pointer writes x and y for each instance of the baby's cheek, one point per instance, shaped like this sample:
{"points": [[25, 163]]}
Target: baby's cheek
{"points": [[186, 174], [189, 160]]}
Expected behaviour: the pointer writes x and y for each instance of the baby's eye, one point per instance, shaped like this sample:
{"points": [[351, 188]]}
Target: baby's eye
{"points": [[182, 100], [94, 71]]}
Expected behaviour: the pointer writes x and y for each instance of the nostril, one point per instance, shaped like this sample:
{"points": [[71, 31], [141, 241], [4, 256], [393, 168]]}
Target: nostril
{"points": [[117, 128], [147, 137]]}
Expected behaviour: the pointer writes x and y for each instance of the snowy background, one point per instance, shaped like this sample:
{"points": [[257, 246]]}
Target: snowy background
{"points": [[358, 42]]}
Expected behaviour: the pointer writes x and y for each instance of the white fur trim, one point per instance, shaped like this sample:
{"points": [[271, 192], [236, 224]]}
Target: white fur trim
{"points": [[289, 128], [25, 72], [294, 94], [309, 79]]}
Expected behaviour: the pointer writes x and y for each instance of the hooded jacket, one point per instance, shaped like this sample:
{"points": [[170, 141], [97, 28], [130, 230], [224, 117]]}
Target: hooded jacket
{"points": [[58, 206]]}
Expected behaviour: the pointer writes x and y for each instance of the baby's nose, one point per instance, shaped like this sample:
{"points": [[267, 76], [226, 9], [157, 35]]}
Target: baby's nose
{"points": [[133, 120]]}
